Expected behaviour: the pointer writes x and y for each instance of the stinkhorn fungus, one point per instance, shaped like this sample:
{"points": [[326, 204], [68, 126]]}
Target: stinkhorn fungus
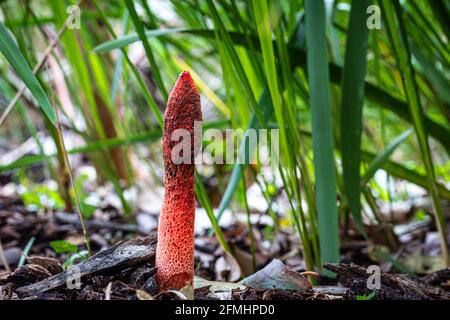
{"points": [[175, 248]]}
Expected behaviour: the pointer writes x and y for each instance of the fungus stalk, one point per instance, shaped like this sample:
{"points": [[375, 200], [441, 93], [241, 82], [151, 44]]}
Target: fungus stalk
{"points": [[175, 248]]}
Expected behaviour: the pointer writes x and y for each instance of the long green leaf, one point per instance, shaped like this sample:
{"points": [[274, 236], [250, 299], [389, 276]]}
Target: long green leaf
{"points": [[322, 136], [381, 158], [352, 104], [202, 197], [266, 104], [20, 65], [124, 41], [399, 171], [149, 136], [440, 10], [398, 37], [148, 51], [235, 178], [396, 169], [430, 71], [298, 59]]}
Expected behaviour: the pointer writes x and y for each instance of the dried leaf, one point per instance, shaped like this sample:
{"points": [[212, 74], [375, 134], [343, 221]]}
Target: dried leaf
{"points": [[227, 268], [143, 295], [216, 286], [277, 275]]}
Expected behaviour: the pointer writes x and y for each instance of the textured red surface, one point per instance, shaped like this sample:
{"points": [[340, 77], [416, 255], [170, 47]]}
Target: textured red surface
{"points": [[175, 248]]}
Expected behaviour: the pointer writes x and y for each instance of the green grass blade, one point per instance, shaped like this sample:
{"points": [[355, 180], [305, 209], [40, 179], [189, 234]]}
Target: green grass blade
{"points": [[297, 57], [382, 157], [397, 170], [441, 84], [440, 10], [148, 51], [262, 20], [249, 224], [20, 65], [322, 136], [398, 37], [144, 137], [25, 252], [235, 178], [352, 104], [237, 70], [143, 86], [118, 65], [126, 40], [266, 104], [202, 197], [401, 172]]}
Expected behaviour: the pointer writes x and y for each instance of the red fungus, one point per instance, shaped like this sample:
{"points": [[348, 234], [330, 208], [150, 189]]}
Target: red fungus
{"points": [[175, 248]]}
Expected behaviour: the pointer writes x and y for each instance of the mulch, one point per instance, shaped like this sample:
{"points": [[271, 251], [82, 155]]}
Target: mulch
{"points": [[122, 266]]}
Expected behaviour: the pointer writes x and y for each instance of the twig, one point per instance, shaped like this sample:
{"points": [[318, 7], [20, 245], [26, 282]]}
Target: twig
{"points": [[119, 257]]}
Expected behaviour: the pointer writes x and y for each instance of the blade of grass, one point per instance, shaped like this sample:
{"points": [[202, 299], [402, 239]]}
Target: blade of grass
{"points": [[308, 218], [298, 59], [440, 10], [25, 252], [20, 65], [249, 223], [398, 170], [202, 197], [126, 40], [354, 72], [62, 147], [118, 66], [73, 50], [265, 103], [322, 136], [142, 85], [148, 51], [262, 20], [236, 65], [398, 37], [382, 157], [439, 81], [144, 137]]}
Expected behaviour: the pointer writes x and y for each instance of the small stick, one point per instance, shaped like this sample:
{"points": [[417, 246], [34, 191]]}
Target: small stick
{"points": [[119, 257]]}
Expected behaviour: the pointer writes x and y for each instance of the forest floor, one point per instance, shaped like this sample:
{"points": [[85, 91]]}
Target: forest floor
{"points": [[39, 251]]}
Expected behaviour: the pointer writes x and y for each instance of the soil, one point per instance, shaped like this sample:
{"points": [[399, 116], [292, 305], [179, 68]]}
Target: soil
{"points": [[122, 265]]}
